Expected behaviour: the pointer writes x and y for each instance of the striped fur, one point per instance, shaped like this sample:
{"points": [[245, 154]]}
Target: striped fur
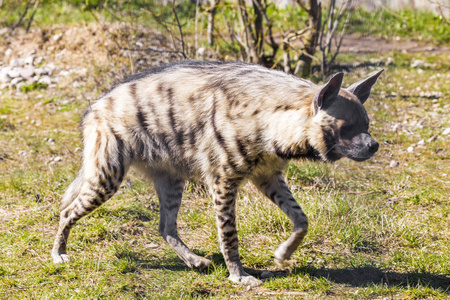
{"points": [[223, 123]]}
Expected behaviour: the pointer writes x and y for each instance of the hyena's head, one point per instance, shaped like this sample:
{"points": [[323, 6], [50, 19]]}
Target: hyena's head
{"points": [[340, 126]]}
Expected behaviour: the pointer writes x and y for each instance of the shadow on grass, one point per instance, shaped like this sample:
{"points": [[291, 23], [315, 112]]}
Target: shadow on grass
{"points": [[355, 277], [365, 276]]}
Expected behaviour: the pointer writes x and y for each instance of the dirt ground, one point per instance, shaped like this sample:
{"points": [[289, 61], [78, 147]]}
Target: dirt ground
{"points": [[368, 44]]}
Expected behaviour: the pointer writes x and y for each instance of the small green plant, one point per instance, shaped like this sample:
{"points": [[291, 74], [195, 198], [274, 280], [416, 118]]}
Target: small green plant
{"points": [[33, 86]]}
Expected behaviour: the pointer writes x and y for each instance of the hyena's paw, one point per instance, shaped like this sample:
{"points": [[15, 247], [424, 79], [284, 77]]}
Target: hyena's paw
{"points": [[245, 279], [284, 263], [60, 258], [201, 263]]}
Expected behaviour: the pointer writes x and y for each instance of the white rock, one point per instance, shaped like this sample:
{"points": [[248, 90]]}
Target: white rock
{"points": [[389, 61], [394, 164], [417, 63], [16, 62], [81, 72], [45, 80], [16, 80], [32, 80], [63, 102], [41, 71], [14, 72], [410, 149], [64, 73], [4, 78], [421, 142], [29, 60], [23, 152], [57, 159], [27, 72], [38, 60], [49, 70], [446, 131], [8, 52], [60, 54], [57, 37], [77, 84]]}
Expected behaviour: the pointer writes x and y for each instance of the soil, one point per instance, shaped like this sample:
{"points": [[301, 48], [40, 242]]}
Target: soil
{"points": [[368, 44]]}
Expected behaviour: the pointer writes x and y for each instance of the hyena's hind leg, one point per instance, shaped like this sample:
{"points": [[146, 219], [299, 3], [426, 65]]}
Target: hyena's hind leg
{"points": [[169, 192], [275, 188], [104, 167]]}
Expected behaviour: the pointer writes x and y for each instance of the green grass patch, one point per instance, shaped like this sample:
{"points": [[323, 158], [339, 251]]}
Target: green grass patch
{"points": [[416, 24], [33, 86]]}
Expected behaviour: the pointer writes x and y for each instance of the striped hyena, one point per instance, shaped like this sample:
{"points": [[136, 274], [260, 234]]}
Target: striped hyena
{"points": [[223, 123]]}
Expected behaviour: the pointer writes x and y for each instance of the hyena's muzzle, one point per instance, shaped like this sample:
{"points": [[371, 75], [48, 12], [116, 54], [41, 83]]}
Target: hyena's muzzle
{"points": [[359, 148]]}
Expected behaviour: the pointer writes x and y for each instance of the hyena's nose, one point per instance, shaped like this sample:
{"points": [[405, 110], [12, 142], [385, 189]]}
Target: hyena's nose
{"points": [[372, 145]]}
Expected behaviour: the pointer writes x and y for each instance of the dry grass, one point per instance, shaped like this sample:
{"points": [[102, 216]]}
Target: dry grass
{"points": [[375, 231]]}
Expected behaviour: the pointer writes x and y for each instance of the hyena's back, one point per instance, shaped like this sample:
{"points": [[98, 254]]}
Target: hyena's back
{"points": [[194, 117]]}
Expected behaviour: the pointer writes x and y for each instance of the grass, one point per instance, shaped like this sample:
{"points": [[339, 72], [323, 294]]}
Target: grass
{"points": [[375, 231], [419, 25]]}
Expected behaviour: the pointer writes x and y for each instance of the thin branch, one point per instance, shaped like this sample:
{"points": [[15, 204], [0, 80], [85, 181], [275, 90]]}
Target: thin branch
{"points": [[295, 35], [162, 23], [36, 4], [195, 28], [302, 6], [441, 12], [180, 29], [154, 50], [21, 17], [338, 46]]}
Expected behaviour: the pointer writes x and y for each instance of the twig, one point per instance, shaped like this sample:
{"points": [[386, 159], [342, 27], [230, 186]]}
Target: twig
{"points": [[180, 29], [21, 17], [36, 4], [302, 6], [392, 13], [32, 286], [440, 6], [163, 24], [195, 28], [338, 45], [153, 50]]}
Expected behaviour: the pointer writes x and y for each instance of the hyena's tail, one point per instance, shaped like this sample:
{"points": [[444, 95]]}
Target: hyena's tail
{"points": [[73, 190]]}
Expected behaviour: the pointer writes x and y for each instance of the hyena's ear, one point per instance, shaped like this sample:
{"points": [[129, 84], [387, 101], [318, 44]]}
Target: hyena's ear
{"points": [[362, 88], [328, 92]]}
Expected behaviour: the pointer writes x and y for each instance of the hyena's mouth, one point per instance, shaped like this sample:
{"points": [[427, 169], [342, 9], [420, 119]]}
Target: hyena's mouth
{"points": [[356, 154], [360, 158]]}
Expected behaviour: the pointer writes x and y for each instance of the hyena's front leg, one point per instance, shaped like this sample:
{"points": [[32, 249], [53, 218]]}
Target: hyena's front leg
{"points": [[224, 195], [169, 193], [275, 188]]}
